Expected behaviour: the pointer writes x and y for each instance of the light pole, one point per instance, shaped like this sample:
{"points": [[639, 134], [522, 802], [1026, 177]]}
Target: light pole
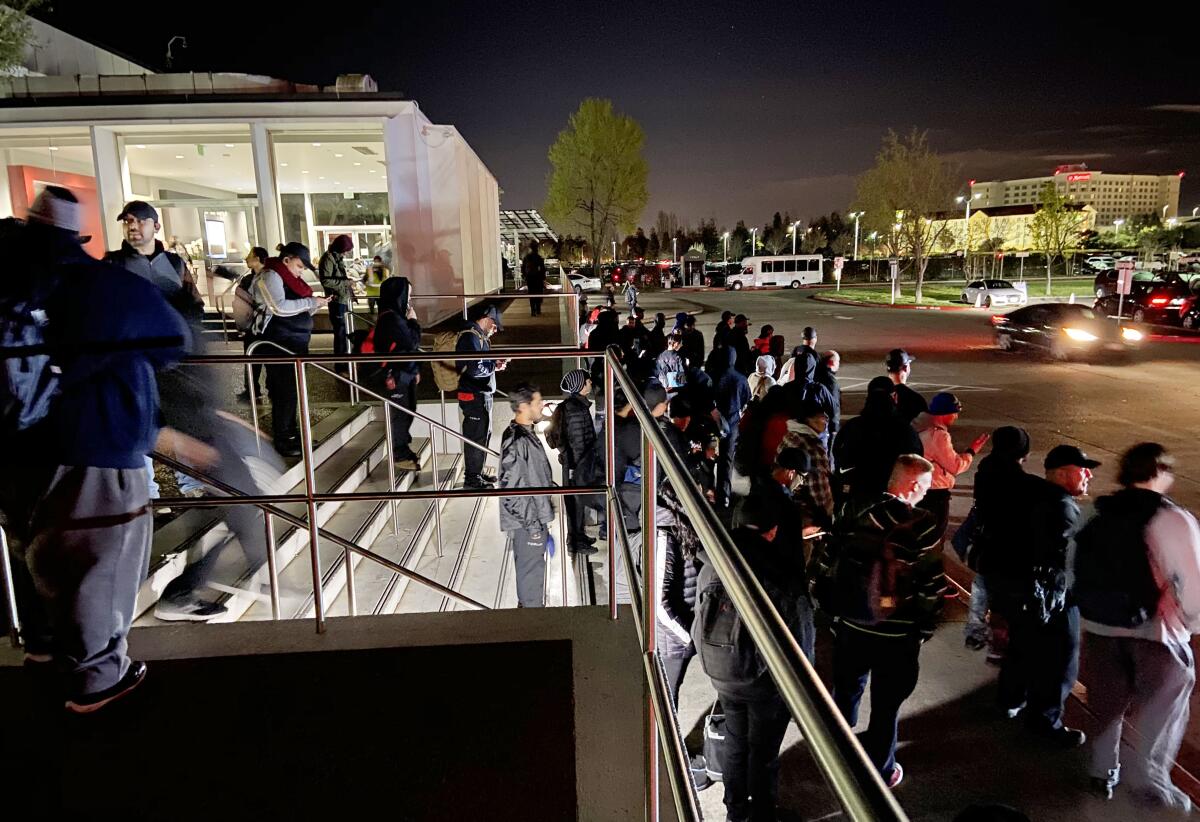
{"points": [[674, 249], [725, 256], [967, 233], [753, 231], [794, 237], [1195, 211], [614, 242], [1117, 227], [856, 215]]}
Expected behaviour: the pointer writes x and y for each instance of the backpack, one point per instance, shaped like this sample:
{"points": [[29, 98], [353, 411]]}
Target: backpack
{"points": [[554, 428], [856, 574], [445, 372], [366, 345], [30, 377], [723, 643], [243, 303], [1114, 583]]}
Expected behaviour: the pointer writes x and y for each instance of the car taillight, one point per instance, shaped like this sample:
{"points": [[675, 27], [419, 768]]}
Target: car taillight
{"points": [[1158, 301], [999, 319]]}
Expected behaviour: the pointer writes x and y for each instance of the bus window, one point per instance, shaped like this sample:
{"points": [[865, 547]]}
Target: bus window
{"points": [[814, 265], [789, 266]]}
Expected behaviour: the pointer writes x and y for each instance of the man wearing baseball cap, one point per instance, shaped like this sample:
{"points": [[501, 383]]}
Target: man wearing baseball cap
{"points": [[933, 427], [899, 367], [476, 385], [1042, 660], [143, 254]]}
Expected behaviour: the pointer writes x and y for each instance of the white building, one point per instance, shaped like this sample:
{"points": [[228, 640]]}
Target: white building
{"points": [[234, 161], [1113, 196]]}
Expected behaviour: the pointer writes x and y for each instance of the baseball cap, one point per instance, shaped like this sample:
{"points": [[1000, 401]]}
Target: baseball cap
{"points": [[944, 403], [740, 318], [1061, 455], [795, 459], [494, 313], [897, 358], [140, 209], [294, 249]]}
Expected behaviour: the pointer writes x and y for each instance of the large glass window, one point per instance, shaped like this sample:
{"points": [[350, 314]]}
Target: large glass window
{"points": [[35, 158], [201, 180]]}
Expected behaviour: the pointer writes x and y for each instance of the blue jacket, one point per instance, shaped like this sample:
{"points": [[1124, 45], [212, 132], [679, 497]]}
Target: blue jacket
{"points": [[112, 328], [475, 376]]}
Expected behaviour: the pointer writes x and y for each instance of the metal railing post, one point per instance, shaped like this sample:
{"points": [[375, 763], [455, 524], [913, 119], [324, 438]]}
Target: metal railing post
{"points": [[650, 606], [10, 593], [253, 387], [272, 568], [437, 483], [610, 463], [465, 317], [391, 462], [563, 548], [351, 593], [310, 489], [349, 322]]}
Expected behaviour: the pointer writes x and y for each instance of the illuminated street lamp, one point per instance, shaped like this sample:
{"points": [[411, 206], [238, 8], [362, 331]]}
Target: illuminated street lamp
{"points": [[614, 242], [794, 237], [725, 256], [967, 235], [856, 215], [753, 232], [674, 249], [1117, 226]]}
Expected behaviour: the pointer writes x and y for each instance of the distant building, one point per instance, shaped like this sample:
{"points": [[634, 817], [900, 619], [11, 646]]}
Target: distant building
{"points": [[1011, 223], [1113, 196]]}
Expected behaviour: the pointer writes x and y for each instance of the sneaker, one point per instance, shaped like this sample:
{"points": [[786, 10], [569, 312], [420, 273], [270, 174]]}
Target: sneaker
{"points": [[32, 660], [91, 703], [488, 475], [195, 493], [994, 657], [583, 549], [476, 483], [974, 643], [162, 510], [1060, 737], [191, 610], [1170, 799], [897, 776], [1102, 788], [408, 464]]}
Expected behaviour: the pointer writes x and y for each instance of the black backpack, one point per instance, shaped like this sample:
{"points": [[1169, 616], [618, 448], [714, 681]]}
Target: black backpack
{"points": [[855, 573], [554, 428], [30, 377], [1114, 584], [723, 643]]}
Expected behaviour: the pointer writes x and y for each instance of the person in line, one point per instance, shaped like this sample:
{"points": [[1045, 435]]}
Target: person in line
{"points": [[762, 343], [633, 336], [804, 388], [899, 368], [476, 385], [999, 480], [377, 272], [397, 331], [808, 342], [579, 455], [761, 380], [724, 326], [331, 269], [869, 445], [631, 295], [1041, 662], [816, 502], [587, 327], [606, 334], [755, 714], [670, 369], [738, 339], [778, 350], [933, 427], [533, 270], [526, 519], [693, 343], [779, 484], [656, 337], [286, 319], [880, 628], [732, 397], [1137, 579], [827, 367], [255, 260], [677, 566], [75, 492], [627, 472]]}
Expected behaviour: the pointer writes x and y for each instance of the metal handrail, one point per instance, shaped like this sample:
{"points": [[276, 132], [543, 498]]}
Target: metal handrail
{"points": [[10, 592], [855, 782], [390, 403]]}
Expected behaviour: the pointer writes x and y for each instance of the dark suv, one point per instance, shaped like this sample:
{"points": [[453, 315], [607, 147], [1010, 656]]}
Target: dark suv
{"points": [[1155, 300]]}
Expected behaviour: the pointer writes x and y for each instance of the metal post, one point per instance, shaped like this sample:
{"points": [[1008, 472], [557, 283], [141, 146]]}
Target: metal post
{"points": [[251, 382], [391, 463], [349, 320], [562, 543], [351, 594], [272, 568], [437, 483], [649, 606], [465, 307], [610, 461], [310, 488], [10, 593]]}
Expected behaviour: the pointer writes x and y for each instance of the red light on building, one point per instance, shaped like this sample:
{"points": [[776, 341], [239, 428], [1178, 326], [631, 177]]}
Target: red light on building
{"points": [[970, 182], [1078, 178]]}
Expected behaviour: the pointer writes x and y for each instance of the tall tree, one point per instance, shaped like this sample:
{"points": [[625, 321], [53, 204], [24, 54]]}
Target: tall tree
{"points": [[16, 30], [598, 174], [654, 250], [908, 184], [1056, 226]]}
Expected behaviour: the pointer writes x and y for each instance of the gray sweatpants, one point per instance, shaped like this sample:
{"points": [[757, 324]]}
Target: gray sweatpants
{"points": [[90, 550], [529, 563], [1150, 681]]}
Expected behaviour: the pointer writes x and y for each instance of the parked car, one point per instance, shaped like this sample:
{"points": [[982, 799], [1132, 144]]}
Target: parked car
{"points": [[1106, 281], [1099, 262], [1063, 331], [581, 280], [1151, 301], [1189, 313], [993, 293], [1148, 265]]}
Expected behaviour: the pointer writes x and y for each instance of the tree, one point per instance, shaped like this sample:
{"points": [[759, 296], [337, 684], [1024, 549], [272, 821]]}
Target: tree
{"points": [[813, 240], [666, 225], [16, 31], [907, 186], [776, 239], [1055, 227], [654, 250], [598, 174]]}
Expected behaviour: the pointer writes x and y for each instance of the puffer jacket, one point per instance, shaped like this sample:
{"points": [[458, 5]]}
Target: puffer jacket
{"points": [[579, 438], [523, 464], [677, 602]]}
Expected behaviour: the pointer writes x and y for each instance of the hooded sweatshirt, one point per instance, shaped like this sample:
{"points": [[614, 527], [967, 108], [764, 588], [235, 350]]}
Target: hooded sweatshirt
{"points": [[733, 392], [939, 449], [394, 332]]}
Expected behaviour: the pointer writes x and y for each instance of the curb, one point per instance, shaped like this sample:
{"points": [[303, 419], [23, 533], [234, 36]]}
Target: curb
{"points": [[861, 304]]}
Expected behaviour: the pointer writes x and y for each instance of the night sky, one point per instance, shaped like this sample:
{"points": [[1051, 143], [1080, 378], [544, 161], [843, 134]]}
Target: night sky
{"points": [[747, 108]]}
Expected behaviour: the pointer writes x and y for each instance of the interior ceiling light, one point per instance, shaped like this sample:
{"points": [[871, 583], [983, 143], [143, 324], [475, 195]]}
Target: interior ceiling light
{"points": [[53, 148], [178, 156], [358, 164], [316, 145], [229, 145], [283, 165], [339, 155], [140, 145], [320, 178], [303, 172]]}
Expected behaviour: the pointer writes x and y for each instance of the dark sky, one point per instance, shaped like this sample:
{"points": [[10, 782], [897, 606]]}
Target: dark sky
{"points": [[747, 108]]}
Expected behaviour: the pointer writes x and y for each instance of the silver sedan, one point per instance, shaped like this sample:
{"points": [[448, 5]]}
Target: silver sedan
{"points": [[990, 293]]}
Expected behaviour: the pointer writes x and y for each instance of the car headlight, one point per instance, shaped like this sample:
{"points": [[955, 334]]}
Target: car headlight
{"points": [[1079, 335], [1131, 334]]}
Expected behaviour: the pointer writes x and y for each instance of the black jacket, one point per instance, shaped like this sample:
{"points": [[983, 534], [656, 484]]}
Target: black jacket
{"points": [[739, 341], [394, 332], [167, 271], [909, 403], [828, 379], [1004, 498], [475, 376], [579, 443], [867, 446], [693, 348], [533, 269], [523, 464], [627, 439], [678, 602]]}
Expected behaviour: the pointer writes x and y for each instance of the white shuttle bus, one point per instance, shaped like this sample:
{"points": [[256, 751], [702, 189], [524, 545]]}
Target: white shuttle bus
{"points": [[781, 271]]}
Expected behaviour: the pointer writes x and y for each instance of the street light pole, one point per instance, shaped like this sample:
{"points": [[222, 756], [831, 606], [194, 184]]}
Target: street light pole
{"points": [[614, 242], [794, 225], [753, 232], [856, 215], [674, 249], [725, 256]]}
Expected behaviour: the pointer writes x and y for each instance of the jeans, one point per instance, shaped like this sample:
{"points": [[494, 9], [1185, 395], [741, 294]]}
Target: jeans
{"points": [[893, 664], [1041, 663], [477, 427], [1151, 680], [977, 627], [529, 565], [337, 318], [676, 669], [753, 734], [151, 485], [404, 394]]}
